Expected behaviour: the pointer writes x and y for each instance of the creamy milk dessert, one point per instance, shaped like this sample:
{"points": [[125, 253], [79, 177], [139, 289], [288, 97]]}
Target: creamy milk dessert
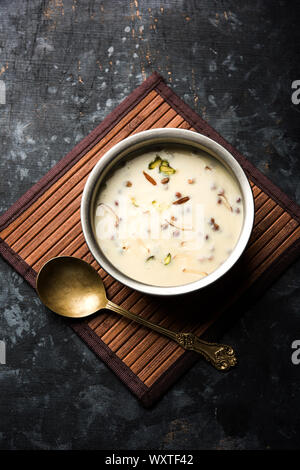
{"points": [[168, 216]]}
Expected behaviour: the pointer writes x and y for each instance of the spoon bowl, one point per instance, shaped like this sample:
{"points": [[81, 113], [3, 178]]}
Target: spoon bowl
{"points": [[72, 288]]}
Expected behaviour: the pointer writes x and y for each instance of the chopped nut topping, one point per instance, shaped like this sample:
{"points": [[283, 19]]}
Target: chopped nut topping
{"points": [[178, 194], [193, 271], [208, 168], [182, 200], [149, 178], [191, 180], [134, 202], [128, 184], [214, 225], [167, 259], [166, 168], [165, 180], [155, 163]]}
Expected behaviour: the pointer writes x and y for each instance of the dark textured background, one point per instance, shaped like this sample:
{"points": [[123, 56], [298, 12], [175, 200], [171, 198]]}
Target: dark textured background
{"points": [[66, 64]]}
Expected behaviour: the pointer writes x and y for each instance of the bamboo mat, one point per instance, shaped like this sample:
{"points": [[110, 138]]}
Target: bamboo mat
{"points": [[45, 222]]}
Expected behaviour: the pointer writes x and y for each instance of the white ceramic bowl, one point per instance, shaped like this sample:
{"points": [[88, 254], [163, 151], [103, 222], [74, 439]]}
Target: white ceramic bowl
{"points": [[141, 141]]}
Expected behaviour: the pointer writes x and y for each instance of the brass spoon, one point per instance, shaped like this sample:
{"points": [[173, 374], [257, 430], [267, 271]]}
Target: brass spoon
{"points": [[72, 288]]}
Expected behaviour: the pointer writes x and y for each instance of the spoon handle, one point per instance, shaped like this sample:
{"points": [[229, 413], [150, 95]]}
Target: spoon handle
{"points": [[221, 356], [125, 313]]}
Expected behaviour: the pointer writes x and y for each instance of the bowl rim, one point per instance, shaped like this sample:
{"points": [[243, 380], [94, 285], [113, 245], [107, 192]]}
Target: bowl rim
{"points": [[190, 138]]}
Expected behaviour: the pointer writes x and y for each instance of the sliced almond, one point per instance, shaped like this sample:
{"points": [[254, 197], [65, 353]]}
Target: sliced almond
{"points": [[182, 200], [149, 178], [193, 271]]}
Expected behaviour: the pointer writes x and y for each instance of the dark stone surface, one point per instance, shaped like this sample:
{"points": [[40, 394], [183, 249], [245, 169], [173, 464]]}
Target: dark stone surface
{"points": [[66, 64]]}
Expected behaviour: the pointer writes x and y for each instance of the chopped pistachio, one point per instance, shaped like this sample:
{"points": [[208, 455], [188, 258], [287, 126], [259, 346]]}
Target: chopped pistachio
{"points": [[167, 170], [155, 163], [164, 166], [167, 259], [134, 202], [150, 258]]}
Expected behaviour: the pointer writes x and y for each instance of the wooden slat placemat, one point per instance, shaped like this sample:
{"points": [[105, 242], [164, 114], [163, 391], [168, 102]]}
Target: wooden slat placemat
{"points": [[45, 222]]}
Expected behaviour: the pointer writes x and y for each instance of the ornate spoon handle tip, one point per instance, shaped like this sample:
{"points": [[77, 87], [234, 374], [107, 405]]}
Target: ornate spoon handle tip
{"points": [[221, 356]]}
